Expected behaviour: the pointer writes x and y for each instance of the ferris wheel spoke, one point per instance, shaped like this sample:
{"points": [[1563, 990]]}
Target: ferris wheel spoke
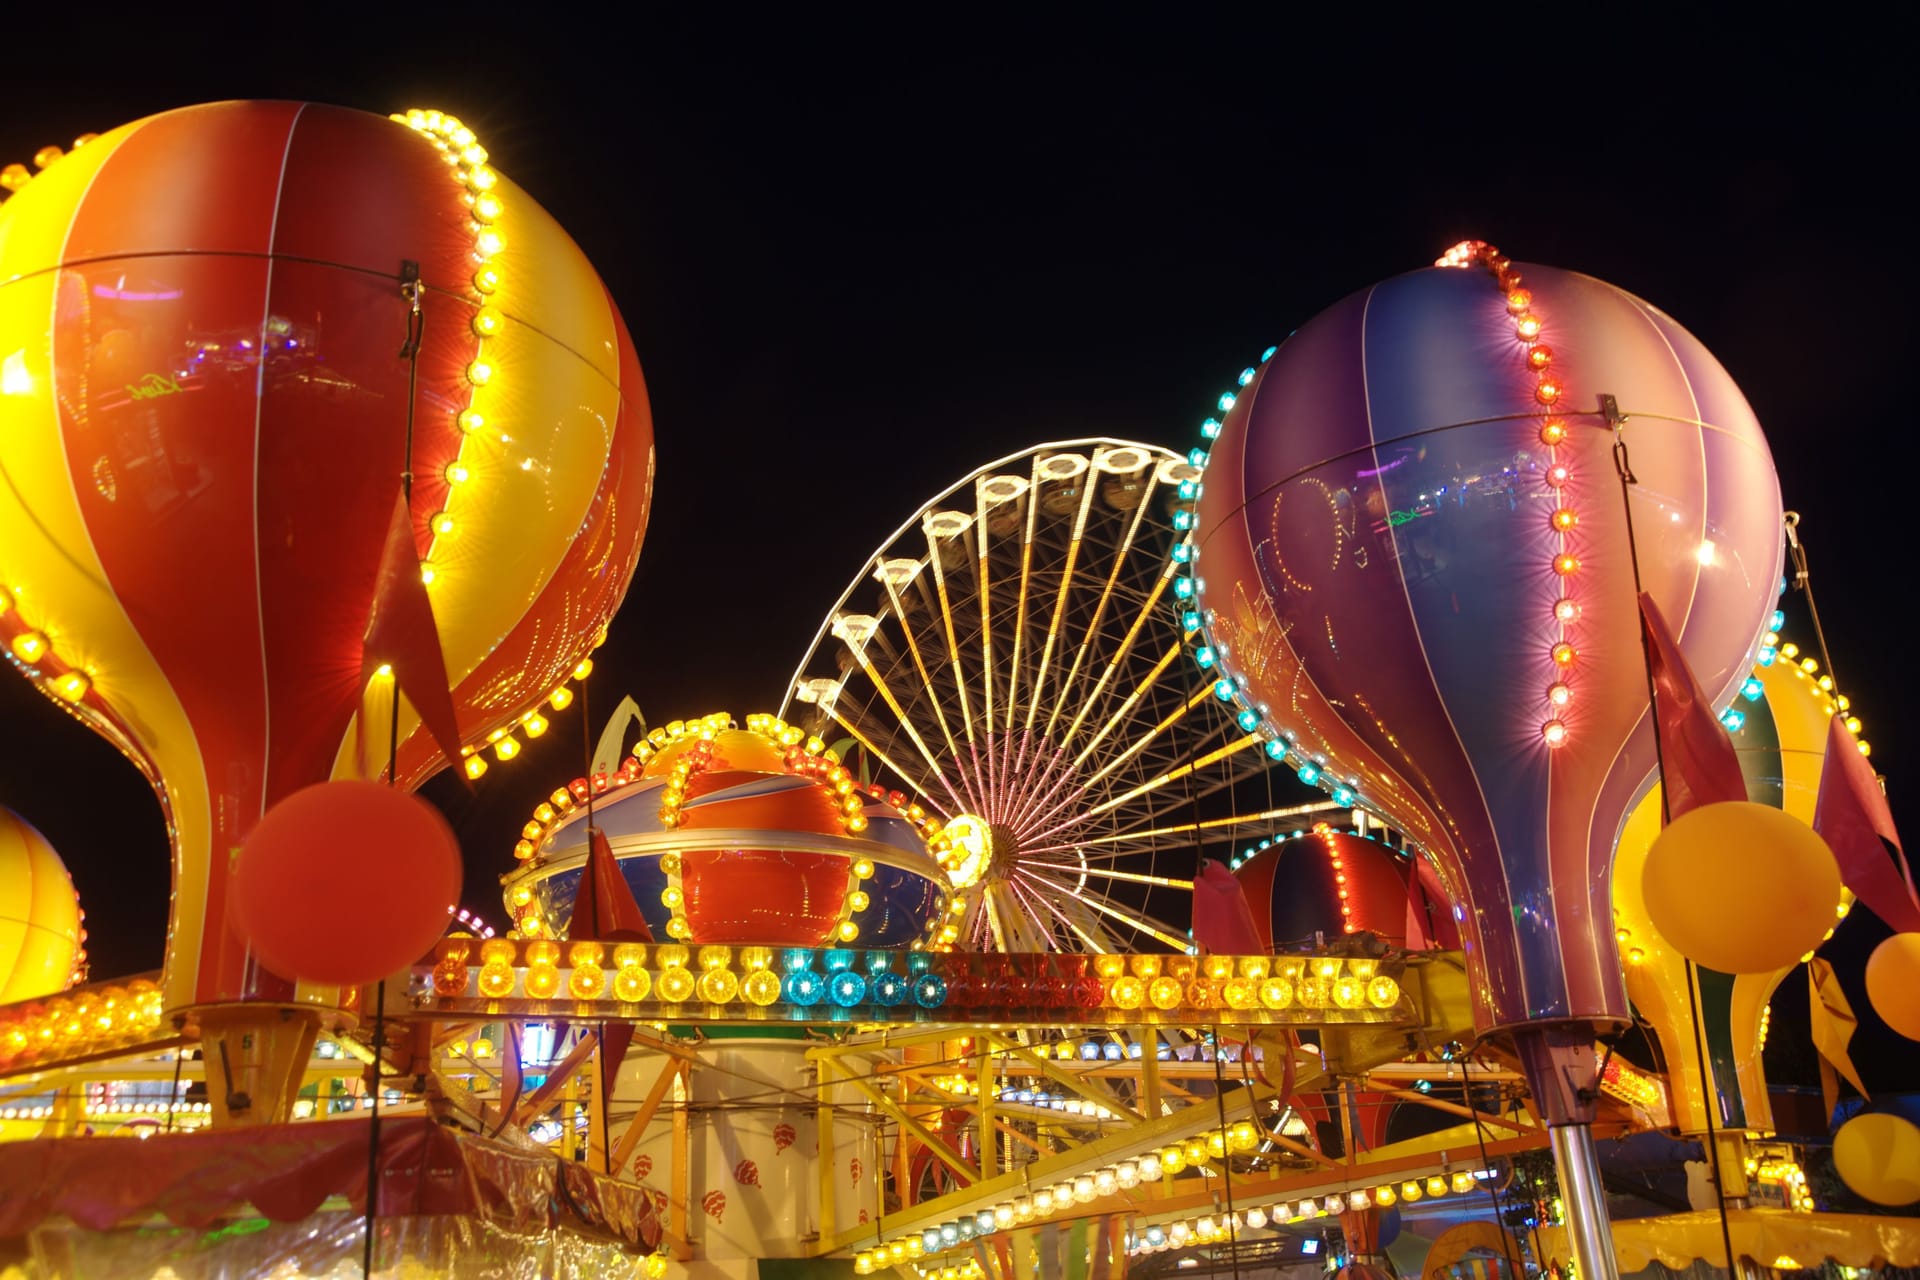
{"points": [[1147, 608], [1174, 775], [867, 745], [936, 561], [919, 665], [983, 573], [1047, 785], [1135, 877], [992, 910], [1092, 632], [906, 724], [1214, 824], [1088, 931], [1115, 913], [1060, 602], [1020, 608], [1119, 717]]}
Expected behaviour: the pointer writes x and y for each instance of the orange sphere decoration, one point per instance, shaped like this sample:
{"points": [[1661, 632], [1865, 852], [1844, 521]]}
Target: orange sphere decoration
{"points": [[345, 883], [1741, 887], [1893, 983], [1878, 1156]]}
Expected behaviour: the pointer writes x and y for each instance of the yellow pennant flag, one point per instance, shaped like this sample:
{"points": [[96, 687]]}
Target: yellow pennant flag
{"points": [[1833, 1022]]}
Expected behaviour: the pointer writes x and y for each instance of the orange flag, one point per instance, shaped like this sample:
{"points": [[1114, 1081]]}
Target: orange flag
{"points": [[1851, 815], [401, 635], [1832, 1023], [1698, 764], [605, 911]]}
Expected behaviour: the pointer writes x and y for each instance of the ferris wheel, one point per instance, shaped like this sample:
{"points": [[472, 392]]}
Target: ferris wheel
{"points": [[1018, 656]]}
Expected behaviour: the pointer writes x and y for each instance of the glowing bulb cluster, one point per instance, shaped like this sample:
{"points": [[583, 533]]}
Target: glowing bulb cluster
{"points": [[15, 177], [31, 651], [80, 1022], [1549, 389], [1067, 1197], [1210, 653], [468, 160]]}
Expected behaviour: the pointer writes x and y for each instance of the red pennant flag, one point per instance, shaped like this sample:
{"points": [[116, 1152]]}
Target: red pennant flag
{"points": [[1851, 815], [401, 634], [1222, 920], [1698, 763], [605, 911]]}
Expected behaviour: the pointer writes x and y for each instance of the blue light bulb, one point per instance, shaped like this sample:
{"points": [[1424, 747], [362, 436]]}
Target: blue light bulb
{"points": [[803, 987], [1248, 720], [1204, 656], [847, 988], [1309, 773], [1752, 689], [1210, 428], [1226, 401], [1190, 620], [889, 990], [1246, 376], [1223, 690], [1277, 749], [930, 991]]}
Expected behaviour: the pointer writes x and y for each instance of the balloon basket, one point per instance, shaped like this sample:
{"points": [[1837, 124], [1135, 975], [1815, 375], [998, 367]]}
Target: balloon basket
{"points": [[255, 1057]]}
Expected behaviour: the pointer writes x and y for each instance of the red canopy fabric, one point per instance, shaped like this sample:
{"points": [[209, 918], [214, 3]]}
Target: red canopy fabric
{"points": [[286, 1172]]}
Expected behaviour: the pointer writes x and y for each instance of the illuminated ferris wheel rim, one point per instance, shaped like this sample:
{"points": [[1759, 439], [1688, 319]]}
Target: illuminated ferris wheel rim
{"points": [[1160, 454]]}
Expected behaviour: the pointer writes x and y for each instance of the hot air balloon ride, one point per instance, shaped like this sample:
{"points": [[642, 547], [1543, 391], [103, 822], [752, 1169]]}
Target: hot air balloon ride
{"points": [[1414, 564], [334, 456]]}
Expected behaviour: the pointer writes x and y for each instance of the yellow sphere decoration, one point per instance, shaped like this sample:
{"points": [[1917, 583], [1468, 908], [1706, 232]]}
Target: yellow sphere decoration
{"points": [[1878, 1156], [1741, 887], [40, 930], [1893, 983]]}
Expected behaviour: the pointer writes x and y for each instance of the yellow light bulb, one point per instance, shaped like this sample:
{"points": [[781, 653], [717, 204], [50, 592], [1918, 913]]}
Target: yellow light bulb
{"points": [[30, 646], [488, 243], [457, 473], [486, 280], [583, 669], [479, 373], [486, 208], [534, 724], [560, 699], [442, 523], [486, 322], [475, 766], [72, 686], [507, 748], [428, 574]]}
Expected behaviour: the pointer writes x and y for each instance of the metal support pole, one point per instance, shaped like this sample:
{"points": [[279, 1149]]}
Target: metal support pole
{"points": [[1588, 1224]]}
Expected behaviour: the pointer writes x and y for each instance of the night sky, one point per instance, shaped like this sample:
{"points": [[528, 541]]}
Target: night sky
{"points": [[860, 261]]}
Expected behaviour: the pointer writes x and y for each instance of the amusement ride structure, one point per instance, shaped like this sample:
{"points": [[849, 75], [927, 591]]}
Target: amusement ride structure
{"points": [[1241, 859]]}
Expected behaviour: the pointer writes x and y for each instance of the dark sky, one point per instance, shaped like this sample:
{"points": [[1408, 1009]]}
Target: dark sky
{"points": [[860, 260]]}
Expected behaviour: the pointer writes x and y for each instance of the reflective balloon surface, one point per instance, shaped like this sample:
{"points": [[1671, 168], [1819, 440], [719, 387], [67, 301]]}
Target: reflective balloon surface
{"points": [[208, 408], [1413, 562]]}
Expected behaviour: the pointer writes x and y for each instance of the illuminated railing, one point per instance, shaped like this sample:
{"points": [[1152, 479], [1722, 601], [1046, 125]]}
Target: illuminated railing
{"points": [[538, 977]]}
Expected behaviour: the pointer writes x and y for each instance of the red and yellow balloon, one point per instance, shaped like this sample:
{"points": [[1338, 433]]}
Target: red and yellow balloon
{"points": [[205, 418]]}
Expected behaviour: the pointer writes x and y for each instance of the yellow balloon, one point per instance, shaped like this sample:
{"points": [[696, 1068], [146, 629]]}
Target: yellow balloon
{"points": [[1878, 1156], [1741, 887], [40, 933], [1893, 983]]}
